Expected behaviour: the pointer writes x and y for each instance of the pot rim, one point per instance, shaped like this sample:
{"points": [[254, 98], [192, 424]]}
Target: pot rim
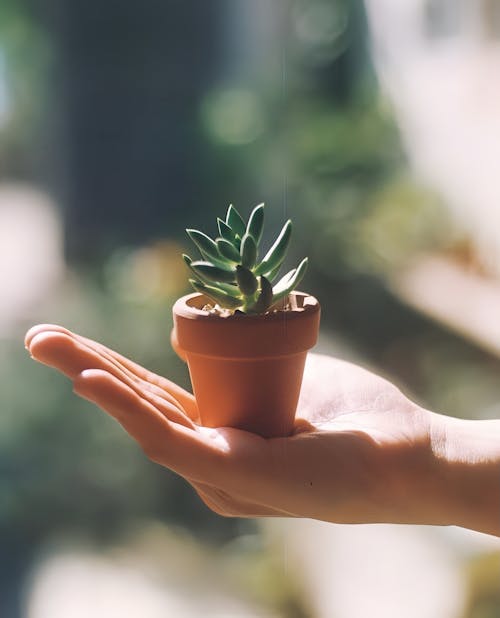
{"points": [[245, 336], [186, 307]]}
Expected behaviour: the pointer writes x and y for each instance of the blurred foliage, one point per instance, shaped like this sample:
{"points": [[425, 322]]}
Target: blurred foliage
{"points": [[483, 590], [321, 146], [25, 58]]}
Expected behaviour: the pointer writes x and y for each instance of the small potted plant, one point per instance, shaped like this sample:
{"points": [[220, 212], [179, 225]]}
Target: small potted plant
{"points": [[245, 338]]}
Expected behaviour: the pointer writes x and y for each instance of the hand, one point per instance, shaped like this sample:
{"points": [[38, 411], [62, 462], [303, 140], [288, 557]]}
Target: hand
{"points": [[361, 452]]}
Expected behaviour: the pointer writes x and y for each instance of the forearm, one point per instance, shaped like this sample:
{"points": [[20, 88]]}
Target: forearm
{"points": [[469, 456]]}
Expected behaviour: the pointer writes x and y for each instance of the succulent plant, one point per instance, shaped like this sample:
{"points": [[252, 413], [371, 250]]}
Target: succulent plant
{"points": [[232, 275]]}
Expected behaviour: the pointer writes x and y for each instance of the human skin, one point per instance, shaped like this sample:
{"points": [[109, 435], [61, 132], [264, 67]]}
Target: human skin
{"points": [[361, 452]]}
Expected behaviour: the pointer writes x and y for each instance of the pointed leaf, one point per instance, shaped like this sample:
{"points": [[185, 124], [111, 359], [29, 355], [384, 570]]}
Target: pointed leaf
{"points": [[235, 221], [205, 244], [188, 262], [232, 290], [247, 281], [228, 288], [207, 271], [283, 282], [276, 254], [225, 231], [283, 289], [256, 223], [228, 250], [248, 251], [218, 296]]}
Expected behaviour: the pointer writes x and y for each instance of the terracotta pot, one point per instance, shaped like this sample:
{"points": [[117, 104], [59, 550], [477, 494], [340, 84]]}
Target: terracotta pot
{"points": [[246, 370]]}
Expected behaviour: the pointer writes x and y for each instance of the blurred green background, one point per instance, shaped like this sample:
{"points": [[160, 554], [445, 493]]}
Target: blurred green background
{"points": [[121, 124]]}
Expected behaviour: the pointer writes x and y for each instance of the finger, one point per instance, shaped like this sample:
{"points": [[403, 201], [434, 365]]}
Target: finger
{"points": [[71, 356], [42, 328], [176, 394], [148, 379], [61, 351], [105, 353], [183, 450], [185, 399]]}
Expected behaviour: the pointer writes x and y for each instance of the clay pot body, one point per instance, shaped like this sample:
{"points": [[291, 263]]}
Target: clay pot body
{"points": [[246, 370]]}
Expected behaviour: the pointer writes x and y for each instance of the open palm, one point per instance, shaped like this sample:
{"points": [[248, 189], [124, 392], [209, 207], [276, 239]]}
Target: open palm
{"points": [[361, 451]]}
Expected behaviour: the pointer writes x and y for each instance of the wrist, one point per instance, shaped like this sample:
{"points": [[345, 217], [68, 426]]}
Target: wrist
{"points": [[467, 455]]}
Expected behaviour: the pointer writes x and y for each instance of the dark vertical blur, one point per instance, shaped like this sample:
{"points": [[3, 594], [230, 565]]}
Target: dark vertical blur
{"points": [[129, 81]]}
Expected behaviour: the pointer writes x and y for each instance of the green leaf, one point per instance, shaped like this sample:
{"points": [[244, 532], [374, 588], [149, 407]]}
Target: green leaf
{"points": [[289, 282], [207, 271], [248, 251], [256, 223], [276, 254], [228, 250], [272, 274], [247, 281], [217, 295], [235, 221], [205, 244], [283, 282], [228, 288], [188, 262], [232, 290], [224, 230]]}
